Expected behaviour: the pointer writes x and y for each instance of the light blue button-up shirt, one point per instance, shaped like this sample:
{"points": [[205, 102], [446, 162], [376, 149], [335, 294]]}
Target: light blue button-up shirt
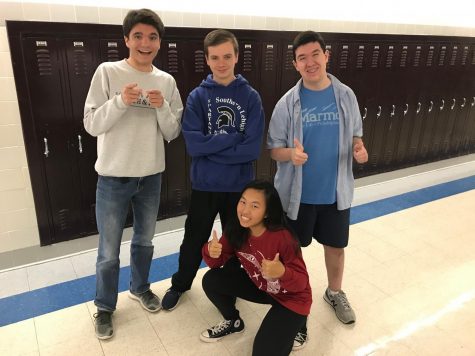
{"points": [[286, 125]]}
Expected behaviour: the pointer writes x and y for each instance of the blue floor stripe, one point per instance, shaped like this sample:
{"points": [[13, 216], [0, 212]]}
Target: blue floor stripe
{"points": [[59, 296]]}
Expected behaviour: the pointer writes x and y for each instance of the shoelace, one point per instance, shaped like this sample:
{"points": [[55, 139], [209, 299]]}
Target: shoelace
{"points": [[102, 317], [342, 298], [301, 337], [220, 327]]}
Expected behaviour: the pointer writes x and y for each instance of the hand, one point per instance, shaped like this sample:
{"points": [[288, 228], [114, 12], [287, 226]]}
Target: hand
{"points": [[359, 152], [155, 97], [298, 156], [214, 247], [272, 269], [130, 93]]}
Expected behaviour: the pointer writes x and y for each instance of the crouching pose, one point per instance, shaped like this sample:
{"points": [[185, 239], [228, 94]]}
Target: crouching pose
{"points": [[273, 272]]}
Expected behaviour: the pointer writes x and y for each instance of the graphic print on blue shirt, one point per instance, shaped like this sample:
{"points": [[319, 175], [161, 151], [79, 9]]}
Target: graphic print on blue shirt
{"points": [[321, 124]]}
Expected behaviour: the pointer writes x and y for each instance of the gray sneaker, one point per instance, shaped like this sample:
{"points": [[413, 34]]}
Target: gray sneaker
{"points": [[147, 300], [342, 306], [103, 324]]}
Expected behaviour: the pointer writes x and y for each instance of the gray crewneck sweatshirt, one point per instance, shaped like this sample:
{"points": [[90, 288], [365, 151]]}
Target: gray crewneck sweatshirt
{"points": [[130, 138]]}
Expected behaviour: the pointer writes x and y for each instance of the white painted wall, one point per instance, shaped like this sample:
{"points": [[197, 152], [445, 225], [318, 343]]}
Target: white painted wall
{"points": [[18, 226]]}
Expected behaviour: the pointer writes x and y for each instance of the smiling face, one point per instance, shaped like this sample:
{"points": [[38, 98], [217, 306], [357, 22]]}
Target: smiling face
{"points": [[311, 62], [143, 43], [251, 211], [221, 59]]}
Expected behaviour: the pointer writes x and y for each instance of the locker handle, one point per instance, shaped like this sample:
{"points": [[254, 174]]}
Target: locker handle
{"points": [[463, 104], [441, 107], [473, 101], [79, 144], [418, 108], [393, 111], [366, 112], [378, 114], [46, 153], [453, 104], [431, 105], [406, 109]]}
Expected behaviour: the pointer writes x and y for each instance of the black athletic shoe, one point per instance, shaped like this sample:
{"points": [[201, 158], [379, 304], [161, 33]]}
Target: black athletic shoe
{"points": [[224, 328]]}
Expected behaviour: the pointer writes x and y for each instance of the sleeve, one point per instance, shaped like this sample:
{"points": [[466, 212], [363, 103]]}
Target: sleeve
{"points": [[295, 277], [102, 112], [169, 115], [198, 142], [277, 136], [249, 147], [357, 120], [226, 254]]}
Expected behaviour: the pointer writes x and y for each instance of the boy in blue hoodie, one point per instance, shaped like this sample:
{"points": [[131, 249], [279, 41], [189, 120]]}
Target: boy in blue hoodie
{"points": [[223, 125]]}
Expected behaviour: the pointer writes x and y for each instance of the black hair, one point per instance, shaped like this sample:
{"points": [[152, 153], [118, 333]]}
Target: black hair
{"points": [[217, 37], [145, 16], [307, 37], [275, 217]]}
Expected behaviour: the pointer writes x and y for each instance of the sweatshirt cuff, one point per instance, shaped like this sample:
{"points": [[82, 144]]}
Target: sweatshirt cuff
{"points": [[120, 103]]}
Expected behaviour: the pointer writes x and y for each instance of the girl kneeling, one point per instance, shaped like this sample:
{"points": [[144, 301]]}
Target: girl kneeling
{"points": [[273, 272]]}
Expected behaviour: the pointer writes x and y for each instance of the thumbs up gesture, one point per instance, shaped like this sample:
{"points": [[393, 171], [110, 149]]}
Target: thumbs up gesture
{"points": [[272, 269], [214, 247], [298, 156], [359, 152]]}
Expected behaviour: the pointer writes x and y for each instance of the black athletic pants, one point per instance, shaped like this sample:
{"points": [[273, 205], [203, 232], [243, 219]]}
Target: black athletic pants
{"points": [[278, 329], [204, 207]]}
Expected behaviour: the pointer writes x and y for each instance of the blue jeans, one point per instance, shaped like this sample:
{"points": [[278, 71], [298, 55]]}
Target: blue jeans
{"points": [[113, 196]]}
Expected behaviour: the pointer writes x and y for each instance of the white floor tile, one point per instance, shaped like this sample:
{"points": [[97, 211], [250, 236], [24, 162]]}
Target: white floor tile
{"points": [[13, 282], [50, 273]]}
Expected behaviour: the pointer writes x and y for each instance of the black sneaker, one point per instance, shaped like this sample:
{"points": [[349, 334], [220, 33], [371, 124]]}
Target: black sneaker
{"points": [[170, 299], [103, 324], [300, 341], [224, 328], [147, 300]]}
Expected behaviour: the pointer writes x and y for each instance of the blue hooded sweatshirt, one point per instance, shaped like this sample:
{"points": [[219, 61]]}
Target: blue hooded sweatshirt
{"points": [[223, 128]]}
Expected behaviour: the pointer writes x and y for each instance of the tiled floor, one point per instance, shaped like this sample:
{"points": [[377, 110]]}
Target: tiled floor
{"points": [[409, 276]]}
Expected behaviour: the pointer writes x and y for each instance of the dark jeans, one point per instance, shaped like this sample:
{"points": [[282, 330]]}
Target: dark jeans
{"points": [[204, 207], [278, 329]]}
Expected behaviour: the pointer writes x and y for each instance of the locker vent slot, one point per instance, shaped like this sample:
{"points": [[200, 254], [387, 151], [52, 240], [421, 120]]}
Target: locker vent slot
{"points": [[289, 57], [63, 219], [80, 63], [43, 61], [344, 56], [269, 58], [430, 56], [199, 61], [417, 57], [442, 54], [247, 61], [330, 57], [360, 57], [389, 58], [375, 57], [453, 57], [172, 61], [403, 61], [464, 55]]}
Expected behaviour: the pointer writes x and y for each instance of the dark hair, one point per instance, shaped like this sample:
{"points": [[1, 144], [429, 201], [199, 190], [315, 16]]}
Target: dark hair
{"points": [[275, 218], [145, 16], [307, 37], [217, 37]]}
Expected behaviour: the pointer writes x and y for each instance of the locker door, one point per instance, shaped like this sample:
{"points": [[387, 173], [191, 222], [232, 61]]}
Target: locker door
{"points": [[269, 77], [185, 61], [448, 109], [289, 75], [468, 141], [53, 126], [411, 125], [396, 65], [355, 67], [458, 66], [81, 62], [430, 105]]}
